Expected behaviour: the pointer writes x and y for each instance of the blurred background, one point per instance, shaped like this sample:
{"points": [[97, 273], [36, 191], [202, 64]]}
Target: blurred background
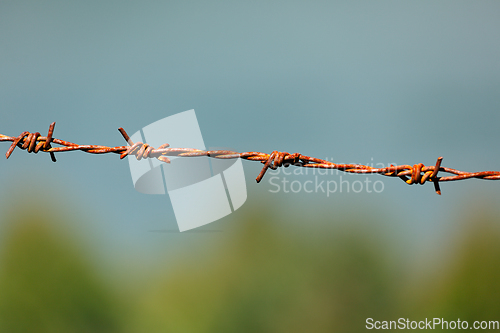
{"points": [[353, 82]]}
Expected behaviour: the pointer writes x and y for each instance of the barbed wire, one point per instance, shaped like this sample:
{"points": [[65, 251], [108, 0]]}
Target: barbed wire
{"points": [[416, 174]]}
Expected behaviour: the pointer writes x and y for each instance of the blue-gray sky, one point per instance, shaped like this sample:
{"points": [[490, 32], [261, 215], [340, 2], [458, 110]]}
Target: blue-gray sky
{"points": [[382, 82]]}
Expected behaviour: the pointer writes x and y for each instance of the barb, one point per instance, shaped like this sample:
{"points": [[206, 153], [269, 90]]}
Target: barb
{"points": [[418, 173]]}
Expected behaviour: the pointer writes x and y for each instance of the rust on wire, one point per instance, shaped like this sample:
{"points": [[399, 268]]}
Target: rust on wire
{"points": [[416, 174]]}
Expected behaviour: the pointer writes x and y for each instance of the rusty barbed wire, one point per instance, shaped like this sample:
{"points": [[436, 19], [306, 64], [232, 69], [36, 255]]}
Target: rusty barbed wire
{"points": [[418, 173]]}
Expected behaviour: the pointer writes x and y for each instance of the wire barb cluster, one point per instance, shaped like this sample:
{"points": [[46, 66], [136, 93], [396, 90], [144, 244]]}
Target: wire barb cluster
{"points": [[418, 173]]}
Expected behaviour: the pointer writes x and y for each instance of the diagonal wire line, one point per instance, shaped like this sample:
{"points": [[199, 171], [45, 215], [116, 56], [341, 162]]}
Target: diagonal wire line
{"points": [[416, 174]]}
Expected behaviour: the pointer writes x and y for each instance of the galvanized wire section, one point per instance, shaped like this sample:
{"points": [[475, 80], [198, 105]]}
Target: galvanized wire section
{"points": [[416, 174]]}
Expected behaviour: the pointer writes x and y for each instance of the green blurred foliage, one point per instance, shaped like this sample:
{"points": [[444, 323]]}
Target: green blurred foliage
{"points": [[268, 280], [467, 287], [263, 278], [47, 285]]}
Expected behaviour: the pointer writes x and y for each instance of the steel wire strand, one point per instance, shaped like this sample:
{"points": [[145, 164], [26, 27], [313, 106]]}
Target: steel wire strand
{"points": [[416, 174]]}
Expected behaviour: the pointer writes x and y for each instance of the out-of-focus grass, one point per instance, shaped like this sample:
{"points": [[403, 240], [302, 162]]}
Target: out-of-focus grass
{"points": [[261, 279]]}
